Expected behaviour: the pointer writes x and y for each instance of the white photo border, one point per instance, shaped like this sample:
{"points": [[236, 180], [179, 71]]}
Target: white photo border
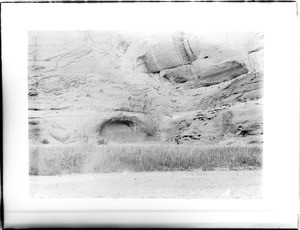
{"points": [[281, 113]]}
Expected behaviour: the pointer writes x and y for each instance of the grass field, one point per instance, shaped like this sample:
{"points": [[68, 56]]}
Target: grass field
{"points": [[56, 160]]}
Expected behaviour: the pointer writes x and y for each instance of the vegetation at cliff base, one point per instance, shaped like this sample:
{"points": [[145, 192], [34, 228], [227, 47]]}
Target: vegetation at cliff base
{"points": [[56, 160]]}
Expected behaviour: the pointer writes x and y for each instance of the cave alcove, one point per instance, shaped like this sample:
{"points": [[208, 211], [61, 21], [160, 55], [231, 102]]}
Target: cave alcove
{"points": [[122, 130]]}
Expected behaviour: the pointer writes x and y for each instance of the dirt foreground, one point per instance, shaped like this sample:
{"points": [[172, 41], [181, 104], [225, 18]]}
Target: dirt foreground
{"points": [[195, 184]]}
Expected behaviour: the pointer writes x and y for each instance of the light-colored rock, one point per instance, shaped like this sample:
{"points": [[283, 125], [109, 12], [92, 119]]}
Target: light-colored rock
{"points": [[103, 87]]}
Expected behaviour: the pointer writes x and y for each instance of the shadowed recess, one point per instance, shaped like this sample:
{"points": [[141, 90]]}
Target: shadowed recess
{"points": [[123, 129]]}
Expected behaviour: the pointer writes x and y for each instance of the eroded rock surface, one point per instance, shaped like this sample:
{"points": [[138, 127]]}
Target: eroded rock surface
{"points": [[107, 87]]}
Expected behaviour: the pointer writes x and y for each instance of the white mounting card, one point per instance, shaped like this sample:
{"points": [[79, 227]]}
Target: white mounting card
{"points": [[279, 204]]}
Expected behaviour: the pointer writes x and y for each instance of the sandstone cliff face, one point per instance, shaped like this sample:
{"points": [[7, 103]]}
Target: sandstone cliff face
{"points": [[108, 87]]}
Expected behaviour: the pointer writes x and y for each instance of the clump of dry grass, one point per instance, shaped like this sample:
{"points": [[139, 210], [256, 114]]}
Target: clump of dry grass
{"points": [[54, 160]]}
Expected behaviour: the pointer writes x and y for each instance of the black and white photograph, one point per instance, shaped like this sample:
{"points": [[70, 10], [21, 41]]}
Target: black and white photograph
{"points": [[131, 115], [155, 114]]}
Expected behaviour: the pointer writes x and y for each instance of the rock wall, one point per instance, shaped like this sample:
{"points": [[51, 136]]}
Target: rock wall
{"points": [[90, 87]]}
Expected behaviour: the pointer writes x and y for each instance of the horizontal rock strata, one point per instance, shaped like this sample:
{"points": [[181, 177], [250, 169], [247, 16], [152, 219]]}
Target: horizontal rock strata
{"points": [[107, 87]]}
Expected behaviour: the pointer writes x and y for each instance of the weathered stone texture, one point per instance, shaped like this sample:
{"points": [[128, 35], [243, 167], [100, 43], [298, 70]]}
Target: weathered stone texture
{"points": [[176, 87]]}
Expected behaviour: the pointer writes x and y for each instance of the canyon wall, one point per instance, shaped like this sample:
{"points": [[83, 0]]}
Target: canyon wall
{"points": [[120, 87]]}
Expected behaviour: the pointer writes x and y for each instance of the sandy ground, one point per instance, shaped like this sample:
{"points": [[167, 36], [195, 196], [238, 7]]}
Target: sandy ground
{"points": [[179, 184]]}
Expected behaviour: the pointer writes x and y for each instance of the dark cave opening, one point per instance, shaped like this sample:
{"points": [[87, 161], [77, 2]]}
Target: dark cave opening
{"points": [[121, 130]]}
